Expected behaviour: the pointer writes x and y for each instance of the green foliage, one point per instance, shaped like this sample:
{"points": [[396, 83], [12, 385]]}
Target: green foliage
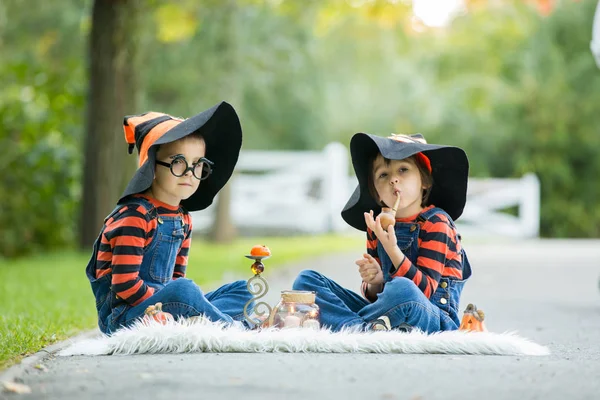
{"points": [[252, 54], [517, 90], [41, 110], [530, 108]]}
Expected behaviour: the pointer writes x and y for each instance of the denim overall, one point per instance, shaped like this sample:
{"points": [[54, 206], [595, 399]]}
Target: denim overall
{"points": [[447, 295], [180, 297], [401, 300]]}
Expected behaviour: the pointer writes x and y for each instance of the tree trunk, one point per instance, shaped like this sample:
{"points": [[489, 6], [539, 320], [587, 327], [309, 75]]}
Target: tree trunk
{"points": [[223, 229], [112, 95]]}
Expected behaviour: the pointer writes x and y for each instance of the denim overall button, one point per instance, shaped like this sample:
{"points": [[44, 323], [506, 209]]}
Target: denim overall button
{"points": [[412, 228], [444, 285], [443, 300]]}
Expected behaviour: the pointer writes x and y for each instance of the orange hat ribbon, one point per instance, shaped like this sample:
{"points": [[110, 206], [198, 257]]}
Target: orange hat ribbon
{"points": [[424, 160], [145, 129]]}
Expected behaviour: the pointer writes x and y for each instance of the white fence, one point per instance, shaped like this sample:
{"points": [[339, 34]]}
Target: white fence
{"points": [[488, 198], [281, 192]]}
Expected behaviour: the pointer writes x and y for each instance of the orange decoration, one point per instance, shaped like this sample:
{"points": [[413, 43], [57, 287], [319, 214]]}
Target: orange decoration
{"points": [[155, 313], [257, 268], [545, 7], [472, 320], [260, 251]]}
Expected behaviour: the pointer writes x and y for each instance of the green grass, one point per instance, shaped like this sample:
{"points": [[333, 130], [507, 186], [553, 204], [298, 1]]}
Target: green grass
{"points": [[47, 298]]}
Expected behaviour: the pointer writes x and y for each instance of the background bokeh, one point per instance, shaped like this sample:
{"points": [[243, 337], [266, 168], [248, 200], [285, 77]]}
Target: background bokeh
{"points": [[512, 82]]}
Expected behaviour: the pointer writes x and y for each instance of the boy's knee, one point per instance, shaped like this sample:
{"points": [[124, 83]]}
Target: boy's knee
{"points": [[306, 280], [402, 288], [183, 290], [182, 283], [241, 287]]}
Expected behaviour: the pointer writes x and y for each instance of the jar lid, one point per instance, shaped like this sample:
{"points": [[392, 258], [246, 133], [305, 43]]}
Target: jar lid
{"points": [[298, 296]]}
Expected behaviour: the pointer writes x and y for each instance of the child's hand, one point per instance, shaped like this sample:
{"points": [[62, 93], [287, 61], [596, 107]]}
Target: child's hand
{"points": [[386, 238], [369, 270]]}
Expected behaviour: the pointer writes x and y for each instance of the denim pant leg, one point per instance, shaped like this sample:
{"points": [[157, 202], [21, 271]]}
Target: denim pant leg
{"points": [[404, 303], [338, 306], [231, 298], [181, 298]]}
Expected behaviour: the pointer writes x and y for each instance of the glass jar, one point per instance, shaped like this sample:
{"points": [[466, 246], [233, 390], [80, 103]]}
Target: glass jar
{"points": [[296, 309]]}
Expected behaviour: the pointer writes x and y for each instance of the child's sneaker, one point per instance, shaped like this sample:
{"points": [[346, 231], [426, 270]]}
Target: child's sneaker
{"points": [[381, 324]]}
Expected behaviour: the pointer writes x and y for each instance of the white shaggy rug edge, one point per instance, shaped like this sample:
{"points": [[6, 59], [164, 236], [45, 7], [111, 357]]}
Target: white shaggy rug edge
{"points": [[202, 336]]}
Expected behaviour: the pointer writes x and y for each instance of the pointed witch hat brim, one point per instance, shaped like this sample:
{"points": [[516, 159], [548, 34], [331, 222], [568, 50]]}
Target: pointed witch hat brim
{"points": [[449, 169], [219, 126]]}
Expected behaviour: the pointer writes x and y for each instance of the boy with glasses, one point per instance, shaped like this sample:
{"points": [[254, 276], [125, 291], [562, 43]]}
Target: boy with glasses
{"points": [[141, 254]]}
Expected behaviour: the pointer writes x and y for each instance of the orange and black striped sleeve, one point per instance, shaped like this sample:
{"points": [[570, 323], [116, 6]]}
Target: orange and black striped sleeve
{"points": [[182, 256], [438, 256], [127, 236], [372, 245]]}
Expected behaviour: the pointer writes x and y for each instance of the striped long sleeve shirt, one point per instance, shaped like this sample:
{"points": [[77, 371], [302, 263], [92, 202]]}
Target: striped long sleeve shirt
{"points": [[123, 242], [439, 254]]}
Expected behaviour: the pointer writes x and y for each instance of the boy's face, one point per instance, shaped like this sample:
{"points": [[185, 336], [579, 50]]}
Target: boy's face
{"points": [[398, 176], [169, 188]]}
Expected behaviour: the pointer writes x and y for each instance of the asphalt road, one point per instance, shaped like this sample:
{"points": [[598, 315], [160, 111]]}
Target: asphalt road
{"points": [[547, 291]]}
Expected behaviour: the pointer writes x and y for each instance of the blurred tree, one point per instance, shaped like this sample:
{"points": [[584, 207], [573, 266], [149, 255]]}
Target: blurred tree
{"points": [[43, 90], [522, 100], [211, 27], [227, 59], [113, 61], [516, 89], [223, 229]]}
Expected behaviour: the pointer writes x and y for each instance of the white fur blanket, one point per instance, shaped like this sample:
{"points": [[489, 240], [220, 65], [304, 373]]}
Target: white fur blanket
{"points": [[202, 336]]}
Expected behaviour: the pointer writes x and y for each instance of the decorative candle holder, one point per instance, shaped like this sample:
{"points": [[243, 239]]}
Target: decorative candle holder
{"points": [[258, 287], [296, 309]]}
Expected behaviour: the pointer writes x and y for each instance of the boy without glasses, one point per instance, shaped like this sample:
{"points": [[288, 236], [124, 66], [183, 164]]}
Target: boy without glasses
{"points": [[413, 271]]}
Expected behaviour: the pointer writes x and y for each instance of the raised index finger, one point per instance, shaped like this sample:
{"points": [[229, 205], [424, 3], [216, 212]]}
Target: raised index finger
{"points": [[369, 220]]}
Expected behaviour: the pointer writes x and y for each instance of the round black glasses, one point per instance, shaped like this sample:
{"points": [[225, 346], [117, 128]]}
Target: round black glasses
{"points": [[201, 169]]}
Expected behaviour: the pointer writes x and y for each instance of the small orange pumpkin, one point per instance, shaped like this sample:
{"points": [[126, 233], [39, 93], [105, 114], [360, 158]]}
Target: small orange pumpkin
{"points": [[260, 251], [472, 320], [155, 313]]}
